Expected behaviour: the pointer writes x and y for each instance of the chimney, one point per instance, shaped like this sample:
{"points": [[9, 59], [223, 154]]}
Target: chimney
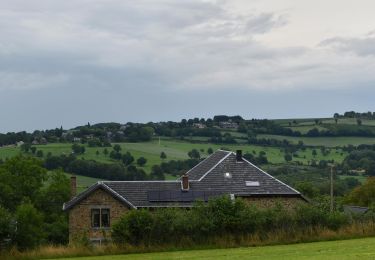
{"points": [[73, 186], [239, 155], [185, 183]]}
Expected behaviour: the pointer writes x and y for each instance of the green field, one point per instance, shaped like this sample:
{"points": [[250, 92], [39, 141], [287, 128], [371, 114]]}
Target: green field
{"points": [[176, 150], [324, 141], [344, 249], [311, 121]]}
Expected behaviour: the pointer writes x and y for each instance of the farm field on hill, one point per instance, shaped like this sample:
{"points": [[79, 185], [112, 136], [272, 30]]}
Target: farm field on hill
{"points": [[324, 141], [344, 249], [175, 150]]}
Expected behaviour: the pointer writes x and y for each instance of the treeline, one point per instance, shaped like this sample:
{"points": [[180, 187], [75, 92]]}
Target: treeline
{"points": [[353, 114], [222, 217], [89, 168]]}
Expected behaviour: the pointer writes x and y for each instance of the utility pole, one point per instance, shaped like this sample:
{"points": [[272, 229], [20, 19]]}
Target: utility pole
{"points": [[332, 166]]}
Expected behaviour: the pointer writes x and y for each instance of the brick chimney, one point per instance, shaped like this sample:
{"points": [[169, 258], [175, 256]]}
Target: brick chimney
{"points": [[73, 186], [185, 183], [239, 156]]}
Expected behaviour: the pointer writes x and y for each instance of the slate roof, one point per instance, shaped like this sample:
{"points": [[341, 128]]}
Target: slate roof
{"points": [[207, 179]]}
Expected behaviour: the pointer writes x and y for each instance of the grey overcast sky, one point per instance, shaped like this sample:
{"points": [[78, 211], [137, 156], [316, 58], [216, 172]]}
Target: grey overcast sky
{"points": [[76, 61]]}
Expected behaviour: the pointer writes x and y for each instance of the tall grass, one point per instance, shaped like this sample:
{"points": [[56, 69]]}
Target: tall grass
{"points": [[276, 237]]}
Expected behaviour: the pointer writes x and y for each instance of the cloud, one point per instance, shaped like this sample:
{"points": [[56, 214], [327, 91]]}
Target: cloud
{"points": [[124, 53], [364, 46]]}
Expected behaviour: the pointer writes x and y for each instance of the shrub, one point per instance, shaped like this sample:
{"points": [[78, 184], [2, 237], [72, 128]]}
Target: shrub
{"points": [[134, 227], [221, 217]]}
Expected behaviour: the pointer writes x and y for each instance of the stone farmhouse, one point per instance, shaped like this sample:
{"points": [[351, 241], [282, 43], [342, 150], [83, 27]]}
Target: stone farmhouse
{"points": [[224, 173]]}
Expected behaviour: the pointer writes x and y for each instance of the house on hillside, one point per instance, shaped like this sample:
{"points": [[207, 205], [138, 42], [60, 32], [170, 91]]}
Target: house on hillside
{"points": [[228, 125], [223, 173]]}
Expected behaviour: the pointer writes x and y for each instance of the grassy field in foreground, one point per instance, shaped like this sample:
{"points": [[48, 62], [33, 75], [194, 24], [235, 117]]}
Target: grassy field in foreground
{"points": [[344, 249]]}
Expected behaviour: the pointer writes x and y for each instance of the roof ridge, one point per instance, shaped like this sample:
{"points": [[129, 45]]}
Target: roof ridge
{"points": [[203, 161], [221, 160]]}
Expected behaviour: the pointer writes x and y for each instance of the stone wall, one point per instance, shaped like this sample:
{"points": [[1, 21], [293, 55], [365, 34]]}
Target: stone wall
{"points": [[269, 202], [80, 216]]}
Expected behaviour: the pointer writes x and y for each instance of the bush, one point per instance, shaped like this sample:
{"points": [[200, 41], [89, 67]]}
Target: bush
{"points": [[134, 227], [220, 217], [29, 231]]}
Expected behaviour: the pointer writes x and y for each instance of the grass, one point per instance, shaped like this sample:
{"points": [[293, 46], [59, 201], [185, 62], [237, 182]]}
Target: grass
{"points": [[360, 178], [8, 151], [324, 141], [345, 249], [175, 150]]}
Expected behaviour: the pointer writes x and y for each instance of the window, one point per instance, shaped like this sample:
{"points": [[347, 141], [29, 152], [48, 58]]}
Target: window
{"points": [[100, 218], [252, 183]]}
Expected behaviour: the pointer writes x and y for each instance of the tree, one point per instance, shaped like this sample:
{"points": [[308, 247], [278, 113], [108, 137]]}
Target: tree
{"points": [[314, 153], [25, 147], [39, 153], [210, 150], [141, 161], [78, 149], [33, 149], [359, 121], [105, 151], [97, 153], [29, 226], [20, 179], [363, 195], [163, 155], [127, 158], [194, 154], [115, 155], [5, 224], [288, 157], [157, 173], [49, 202], [117, 148]]}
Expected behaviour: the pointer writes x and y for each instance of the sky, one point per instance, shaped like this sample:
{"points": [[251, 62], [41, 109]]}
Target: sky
{"points": [[66, 63]]}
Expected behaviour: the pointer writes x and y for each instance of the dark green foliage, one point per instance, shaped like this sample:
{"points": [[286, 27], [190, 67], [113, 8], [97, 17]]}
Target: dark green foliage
{"points": [[31, 202], [177, 168], [210, 150], [141, 161], [78, 149], [127, 158], [6, 227], [194, 154], [288, 157], [219, 217], [163, 155], [29, 232], [20, 179], [363, 195], [361, 159], [134, 227], [39, 153], [117, 148], [157, 173]]}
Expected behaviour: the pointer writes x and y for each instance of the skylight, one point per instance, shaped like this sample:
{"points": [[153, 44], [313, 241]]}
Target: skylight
{"points": [[252, 183]]}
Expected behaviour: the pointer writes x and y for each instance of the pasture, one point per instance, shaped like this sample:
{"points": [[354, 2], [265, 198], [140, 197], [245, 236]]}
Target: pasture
{"points": [[324, 141], [177, 150], [344, 249]]}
